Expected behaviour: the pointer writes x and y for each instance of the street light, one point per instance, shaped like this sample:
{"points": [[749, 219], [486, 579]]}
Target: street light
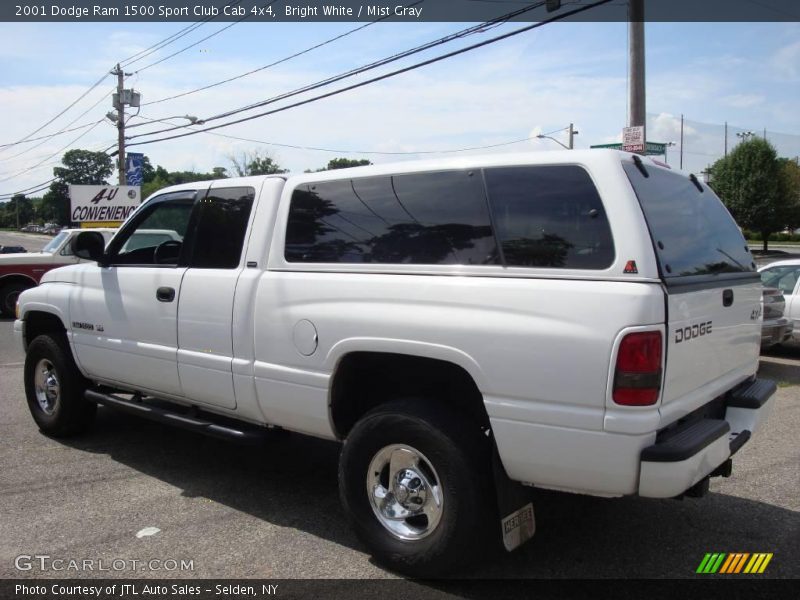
{"points": [[744, 135], [572, 134], [191, 118]]}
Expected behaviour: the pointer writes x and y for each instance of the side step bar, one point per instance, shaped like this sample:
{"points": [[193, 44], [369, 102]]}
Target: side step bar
{"points": [[197, 424]]}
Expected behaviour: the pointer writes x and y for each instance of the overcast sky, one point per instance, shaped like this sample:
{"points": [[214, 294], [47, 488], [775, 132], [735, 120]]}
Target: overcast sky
{"points": [[745, 74]]}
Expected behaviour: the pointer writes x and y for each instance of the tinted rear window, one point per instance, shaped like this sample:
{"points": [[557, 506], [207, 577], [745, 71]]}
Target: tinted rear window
{"points": [[549, 216], [421, 218], [693, 232]]}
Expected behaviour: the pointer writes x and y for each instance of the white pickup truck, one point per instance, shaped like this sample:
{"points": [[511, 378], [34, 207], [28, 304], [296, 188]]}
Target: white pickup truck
{"points": [[585, 321]]}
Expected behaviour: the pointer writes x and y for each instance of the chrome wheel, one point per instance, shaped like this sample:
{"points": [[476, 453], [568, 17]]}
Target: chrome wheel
{"points": [[46, 386], [405, 492]]}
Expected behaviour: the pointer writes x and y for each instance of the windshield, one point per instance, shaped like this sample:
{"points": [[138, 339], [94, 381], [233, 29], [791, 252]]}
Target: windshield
{"points": [[54, 244], [693, 233]]}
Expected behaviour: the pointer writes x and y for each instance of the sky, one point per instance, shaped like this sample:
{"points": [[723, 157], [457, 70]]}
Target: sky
{"points": [[745, 74]]}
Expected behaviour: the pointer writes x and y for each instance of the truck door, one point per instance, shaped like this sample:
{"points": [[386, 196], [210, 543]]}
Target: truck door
{"points": [[205, 310], [124, 316]]}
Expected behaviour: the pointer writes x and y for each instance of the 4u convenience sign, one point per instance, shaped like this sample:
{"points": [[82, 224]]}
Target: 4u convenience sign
{"points": [[103, 203]]}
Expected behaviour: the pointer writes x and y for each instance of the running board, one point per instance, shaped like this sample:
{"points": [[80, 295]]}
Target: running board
{"points": [[244, 435]]}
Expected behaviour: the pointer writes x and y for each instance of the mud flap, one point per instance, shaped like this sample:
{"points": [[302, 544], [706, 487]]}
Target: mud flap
{"points": [[517, 522]]}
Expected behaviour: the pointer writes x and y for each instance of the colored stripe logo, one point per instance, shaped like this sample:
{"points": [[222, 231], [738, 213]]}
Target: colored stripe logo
{"points": [[734, 563]]}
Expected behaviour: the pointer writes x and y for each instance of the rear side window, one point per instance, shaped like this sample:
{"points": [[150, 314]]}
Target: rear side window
{"points": [[693, 232], [549, 216], [421, 218], [221, 225]]}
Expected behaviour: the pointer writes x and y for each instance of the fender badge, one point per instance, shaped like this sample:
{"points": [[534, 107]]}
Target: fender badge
{"points": [[630, 267]]}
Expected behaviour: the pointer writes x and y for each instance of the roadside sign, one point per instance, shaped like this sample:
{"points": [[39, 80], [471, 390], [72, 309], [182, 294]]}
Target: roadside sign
{"points": [[651, 148], [134, 166], [633, 139], [103, 203]]}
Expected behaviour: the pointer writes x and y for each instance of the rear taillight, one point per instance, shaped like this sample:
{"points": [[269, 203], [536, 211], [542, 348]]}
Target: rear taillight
{"points": [[637, 376]]}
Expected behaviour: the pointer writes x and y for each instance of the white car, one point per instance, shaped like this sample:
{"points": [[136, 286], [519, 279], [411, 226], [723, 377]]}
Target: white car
{"points": [[785, 275]]}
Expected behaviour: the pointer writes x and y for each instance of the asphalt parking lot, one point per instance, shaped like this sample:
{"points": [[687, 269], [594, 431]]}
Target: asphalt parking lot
{"points": [[274, 512]]}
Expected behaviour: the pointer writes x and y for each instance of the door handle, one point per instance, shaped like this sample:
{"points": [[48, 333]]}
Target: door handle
{"points": [[165, 294], [727, 297]]}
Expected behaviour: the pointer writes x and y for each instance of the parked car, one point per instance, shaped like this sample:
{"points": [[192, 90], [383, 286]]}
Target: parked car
{"points": [[785, 276], [12, 249], [586, 321], [20, 272], [776, 328]]}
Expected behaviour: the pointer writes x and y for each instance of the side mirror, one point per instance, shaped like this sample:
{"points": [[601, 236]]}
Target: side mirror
{"points": [[89, 245]]}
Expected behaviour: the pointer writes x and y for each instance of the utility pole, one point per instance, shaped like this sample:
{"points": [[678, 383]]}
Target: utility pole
{"points": [[637, 110], [726, 138], [572, 133], [681, 143], [120, 106], [121, 98]]}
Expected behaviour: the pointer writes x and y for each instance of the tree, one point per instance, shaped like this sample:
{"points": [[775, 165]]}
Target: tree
{"points": [[790, 172], [254, 163], [81, 167], [8, 212], [162, 178], [342, 163], [750, 183], [346, 163]]}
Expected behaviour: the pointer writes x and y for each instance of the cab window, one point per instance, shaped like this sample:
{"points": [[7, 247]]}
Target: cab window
{"points": [[155, 234]]}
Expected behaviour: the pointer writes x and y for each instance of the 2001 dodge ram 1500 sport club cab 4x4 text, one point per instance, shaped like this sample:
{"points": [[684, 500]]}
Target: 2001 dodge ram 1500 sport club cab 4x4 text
{"points": [[585, 321]]}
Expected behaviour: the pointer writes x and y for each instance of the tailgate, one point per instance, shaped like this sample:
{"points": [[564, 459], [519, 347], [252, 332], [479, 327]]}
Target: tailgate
{"points": [[713, 343], [713, 293]]}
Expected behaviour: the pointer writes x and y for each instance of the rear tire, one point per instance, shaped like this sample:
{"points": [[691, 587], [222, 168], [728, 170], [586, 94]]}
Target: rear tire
{"points": [[54, 388], [8, 297], [416, 459]]}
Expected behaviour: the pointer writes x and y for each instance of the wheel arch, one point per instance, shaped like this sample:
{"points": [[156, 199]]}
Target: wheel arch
{"points": [[39, 322], [18, 278], [366, 377]]}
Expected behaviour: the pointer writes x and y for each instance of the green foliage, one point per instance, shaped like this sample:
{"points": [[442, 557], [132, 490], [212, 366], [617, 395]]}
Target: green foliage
{"points": [[163, 178], [81, 167], [751, 183], [8, 211], [346, 163], [341, 163], [254, 163], [790, 180]]}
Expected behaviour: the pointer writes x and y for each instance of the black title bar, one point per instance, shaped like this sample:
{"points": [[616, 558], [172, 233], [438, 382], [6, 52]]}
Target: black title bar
{"points": [[277, 11]]}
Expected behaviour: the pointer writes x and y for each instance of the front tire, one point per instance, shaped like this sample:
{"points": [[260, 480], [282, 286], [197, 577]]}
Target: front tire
{"points": [[415, 479], [54, 388]]}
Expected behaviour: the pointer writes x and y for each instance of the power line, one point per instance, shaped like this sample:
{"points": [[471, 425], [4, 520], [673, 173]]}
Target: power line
{"points": [[384, 61], [386, 75], [352, 151], [74, 102], [163, 43], [200, 41], [39, 187], [272, 64], [52, 155], [80, 116], [51, 135], [127, 61], [170, 39]]}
